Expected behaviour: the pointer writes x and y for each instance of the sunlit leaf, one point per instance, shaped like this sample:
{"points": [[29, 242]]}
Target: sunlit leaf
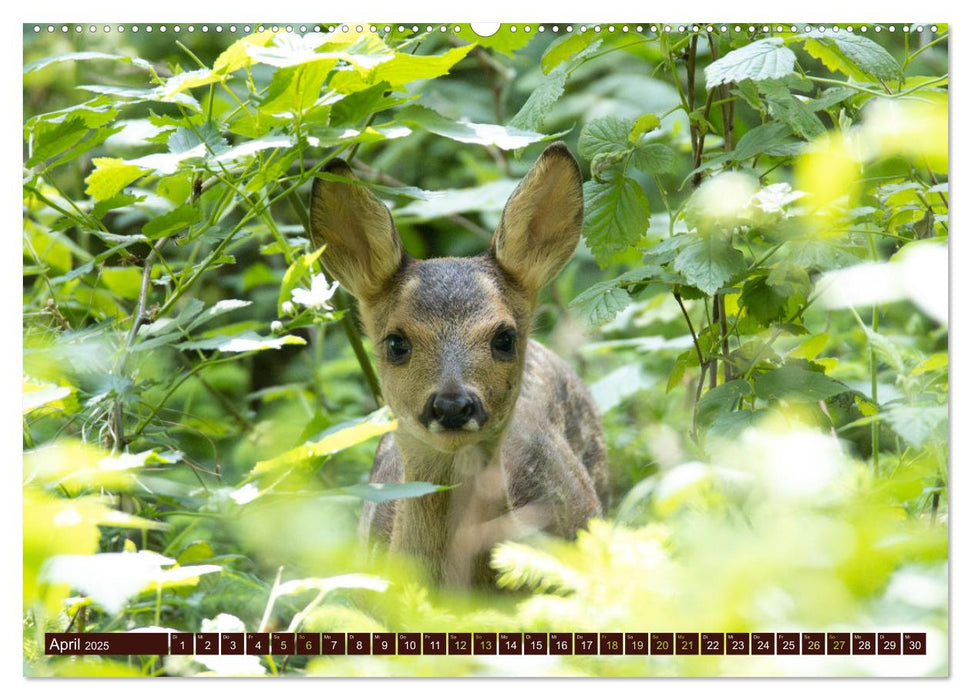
{"points": [[335, 440], [504, 137], [760, 60]]}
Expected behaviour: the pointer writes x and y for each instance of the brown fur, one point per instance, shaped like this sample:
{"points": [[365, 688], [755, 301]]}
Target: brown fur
{"points": [[538, 461]]}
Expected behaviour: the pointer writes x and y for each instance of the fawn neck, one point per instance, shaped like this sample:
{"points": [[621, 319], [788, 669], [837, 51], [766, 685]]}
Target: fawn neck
{"points": [[450, 532]]}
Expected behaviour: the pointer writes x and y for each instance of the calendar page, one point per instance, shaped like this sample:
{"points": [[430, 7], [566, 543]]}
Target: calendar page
{"points": [[516, 350]]}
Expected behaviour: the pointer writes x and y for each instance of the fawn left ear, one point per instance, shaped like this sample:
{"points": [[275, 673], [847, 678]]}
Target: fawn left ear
{"points": [[541, 223], [363, 249]]}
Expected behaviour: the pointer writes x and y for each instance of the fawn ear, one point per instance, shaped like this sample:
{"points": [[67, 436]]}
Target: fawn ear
{"points": [[541, 223], [363, 250]]}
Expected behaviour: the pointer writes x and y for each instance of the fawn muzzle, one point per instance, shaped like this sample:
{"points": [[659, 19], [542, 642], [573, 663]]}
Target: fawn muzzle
{"points": [[453, 410]]}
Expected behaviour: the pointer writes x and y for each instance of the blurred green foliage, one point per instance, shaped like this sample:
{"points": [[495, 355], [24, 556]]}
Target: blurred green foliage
{"points": [[759, 306]]}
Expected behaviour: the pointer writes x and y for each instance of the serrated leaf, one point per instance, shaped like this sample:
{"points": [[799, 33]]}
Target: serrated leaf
{"points": [[654, 158], [170, 222], [506, 138], [796, 384], [760, 60], [834, 59], [109, 177], [601, 302], [708, 262], [762, 301], [530, 117], [605, 135], [868, 55], [916, 424], [616, 215]]}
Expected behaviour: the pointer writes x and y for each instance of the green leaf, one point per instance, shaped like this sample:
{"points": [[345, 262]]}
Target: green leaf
{"points": [[183, 140], [796, 384], [295, 89], [381, 493], [708, 262], [916, 424], [760, 139], [616, 216], [853, 55], [170, 222], [49, 139], [565, 48], [131, 95], [506, 138], [760, 60], [644, 124], [720, 400], [601, 302], [490, 197], [237, 55], [363, 51], [86, 56], [798, 115], [109, 177], [223, 306], [400, 70], [762, 301], [834, 59], [605, 135], [654, 158], [504, 41], [298, 271], [247, 341], [868, 55], [612, 390], [334, 440], [357, 107], [530, 117]]}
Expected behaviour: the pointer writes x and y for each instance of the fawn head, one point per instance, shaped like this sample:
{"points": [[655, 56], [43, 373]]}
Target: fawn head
{"points": [[450, 334]]}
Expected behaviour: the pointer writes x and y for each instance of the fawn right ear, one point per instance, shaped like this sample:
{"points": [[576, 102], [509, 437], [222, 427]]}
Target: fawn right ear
{"points": [[363, 250]]}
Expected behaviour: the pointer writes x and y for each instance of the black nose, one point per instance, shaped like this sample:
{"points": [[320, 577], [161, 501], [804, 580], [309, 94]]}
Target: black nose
{"points": [[453, 409]]}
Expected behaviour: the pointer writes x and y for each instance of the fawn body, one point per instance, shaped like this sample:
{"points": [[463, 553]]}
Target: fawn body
{"points": [[479, 405]]}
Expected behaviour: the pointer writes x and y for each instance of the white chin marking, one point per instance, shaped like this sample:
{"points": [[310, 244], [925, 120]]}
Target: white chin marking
{"points": [[471, 425]]}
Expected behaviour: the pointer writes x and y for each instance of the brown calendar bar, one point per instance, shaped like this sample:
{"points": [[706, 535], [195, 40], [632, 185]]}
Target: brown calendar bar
{"points": [[505, 643], [106, 644]]}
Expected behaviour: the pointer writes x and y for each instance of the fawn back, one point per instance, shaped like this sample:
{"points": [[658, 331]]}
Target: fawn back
{"points": [[479, 405]]}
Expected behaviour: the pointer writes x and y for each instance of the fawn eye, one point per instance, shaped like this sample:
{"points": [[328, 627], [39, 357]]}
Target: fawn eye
{"points": [[398, 347], [504, 344]]}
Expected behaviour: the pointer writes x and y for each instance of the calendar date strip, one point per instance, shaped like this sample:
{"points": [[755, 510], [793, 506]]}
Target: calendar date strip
{"points": [[487, 643]]}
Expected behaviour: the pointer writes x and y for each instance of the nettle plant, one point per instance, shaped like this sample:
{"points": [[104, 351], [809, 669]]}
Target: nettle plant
{"points": [[792, 175]]}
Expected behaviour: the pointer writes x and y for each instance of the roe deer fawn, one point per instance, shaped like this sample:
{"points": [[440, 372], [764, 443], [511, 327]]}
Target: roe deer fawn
{"points": [[479, 405]]}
